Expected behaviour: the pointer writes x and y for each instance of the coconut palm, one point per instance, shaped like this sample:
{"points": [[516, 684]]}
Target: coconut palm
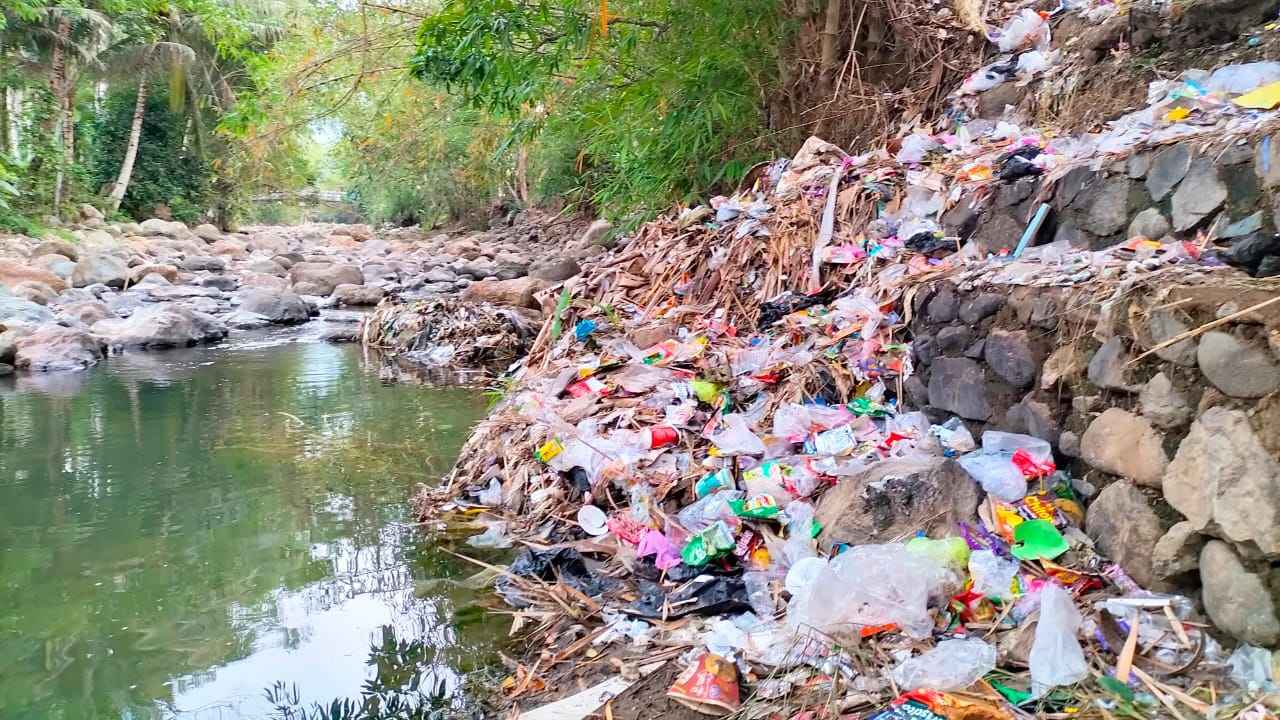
{"points": [[201, 79], [57, 42]]}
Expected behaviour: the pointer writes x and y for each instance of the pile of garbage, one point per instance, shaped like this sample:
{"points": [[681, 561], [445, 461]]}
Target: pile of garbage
{"points": [[446, 331], [695, 457], [708, 458]]}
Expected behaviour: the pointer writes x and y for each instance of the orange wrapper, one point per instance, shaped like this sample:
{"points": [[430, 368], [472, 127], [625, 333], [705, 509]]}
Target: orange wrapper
{"points": [[709, 686]]}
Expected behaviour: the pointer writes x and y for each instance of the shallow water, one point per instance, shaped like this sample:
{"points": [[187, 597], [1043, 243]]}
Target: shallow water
{"points": [[181, 530]]}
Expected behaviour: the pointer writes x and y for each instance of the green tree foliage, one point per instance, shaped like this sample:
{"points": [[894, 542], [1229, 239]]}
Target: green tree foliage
{"points": [[658, 102], [168, 170]]}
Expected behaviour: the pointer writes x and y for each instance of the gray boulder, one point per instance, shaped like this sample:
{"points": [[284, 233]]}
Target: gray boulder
{"points": [[1123, 526], [1163, 404], [311, 278], [241, 320], [958, 386], [53, 348], [555, 270], [1237, 600], [1238, 366], [164, 228], [14, 309], [1225, 482], [196, 263], [1121, 443], [1013, 357], [283, 308], [358, 295], [95, 268], [56, 246], [160, 326]]}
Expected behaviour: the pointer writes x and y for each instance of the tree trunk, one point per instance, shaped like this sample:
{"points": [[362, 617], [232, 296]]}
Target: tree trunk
{"points": [[830, 35], [131, 151], [6, 148], [522, 174], [58, 86]]}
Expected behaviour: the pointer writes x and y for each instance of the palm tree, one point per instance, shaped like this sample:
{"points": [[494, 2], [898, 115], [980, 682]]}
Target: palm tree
{"points": [[61, 41], [200, 78]]}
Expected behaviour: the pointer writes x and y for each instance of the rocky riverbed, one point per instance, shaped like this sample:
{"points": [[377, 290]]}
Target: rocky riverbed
{"points": [[94, 287]]}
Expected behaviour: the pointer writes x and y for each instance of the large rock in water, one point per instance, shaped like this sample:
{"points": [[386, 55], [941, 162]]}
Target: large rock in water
{"points": [[1238, 601], [100, 268], [358, 295], [1125, 528], [895, 498], [1121, 443], [518, 292], [1225, 482], [13, 272], [310, 278], [53, 348], [284, 308], [160, 326]]}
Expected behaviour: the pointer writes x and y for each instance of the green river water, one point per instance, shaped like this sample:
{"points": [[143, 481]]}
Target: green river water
{"points": [[181, 530]]}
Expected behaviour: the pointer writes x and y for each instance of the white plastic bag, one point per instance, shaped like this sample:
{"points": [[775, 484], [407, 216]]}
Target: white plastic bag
{"points": [[1026, 29], [914, 148], [1056, 656], [492, 495], [992, 575], [735, 437], [996, 473], [494, 537], [870, 585], [954, 664]]}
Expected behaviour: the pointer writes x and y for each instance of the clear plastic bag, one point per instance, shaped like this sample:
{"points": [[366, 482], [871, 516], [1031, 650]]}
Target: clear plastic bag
{"points": [[760, 593], [1251, 669], [1056, 656], [870, 585], [953, 435], [1241, 78], [799, 532], [954, 664], [494, 537], [994, 441], [736, 438], [992, 575], [492, 495], [996, 473]]}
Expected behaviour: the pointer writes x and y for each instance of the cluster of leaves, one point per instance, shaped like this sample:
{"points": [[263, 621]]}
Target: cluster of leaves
{"points": [[629, 111]]}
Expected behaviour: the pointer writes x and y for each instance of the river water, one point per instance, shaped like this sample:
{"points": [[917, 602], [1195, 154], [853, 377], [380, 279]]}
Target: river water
{"points": [[181, 530]]}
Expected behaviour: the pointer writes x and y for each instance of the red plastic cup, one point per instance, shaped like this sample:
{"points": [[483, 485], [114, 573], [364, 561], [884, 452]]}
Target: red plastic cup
{"points": [[662, 436]]}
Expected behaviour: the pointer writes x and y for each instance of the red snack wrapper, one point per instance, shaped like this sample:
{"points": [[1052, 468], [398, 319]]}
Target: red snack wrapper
{"points": [[709, 686]]}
